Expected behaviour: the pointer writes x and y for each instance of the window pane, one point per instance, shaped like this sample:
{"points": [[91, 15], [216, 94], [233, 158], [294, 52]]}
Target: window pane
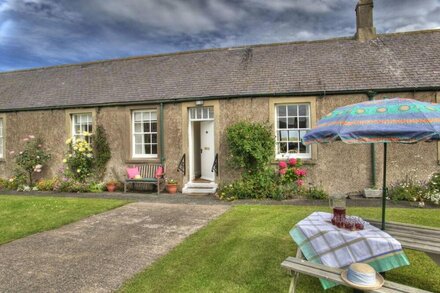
{"points": [[292, 110], [211, 112], [154, 149], [154, 127], [154, 138], [137, 116], [137, 127], [147, 138], [281, 110], [146, 127], [147, 149], [282, 123], [205, 113], [146, 116], [137, 138], [90, 128], [302, 133], [293, 147], [153, 116], [293, 123], [77, 129], [282, 135], [303, 110], [303, 122], [303, 149], [138, 149], [283, 147], [192, 113], [199, 113], [293, 136]]}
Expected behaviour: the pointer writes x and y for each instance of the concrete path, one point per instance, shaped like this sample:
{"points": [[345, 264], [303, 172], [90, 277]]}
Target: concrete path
{"points": [[99, 253]]}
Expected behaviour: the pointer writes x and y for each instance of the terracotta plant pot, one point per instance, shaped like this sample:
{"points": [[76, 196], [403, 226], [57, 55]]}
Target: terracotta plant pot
{"points": [[171, 188], [111, 187]]}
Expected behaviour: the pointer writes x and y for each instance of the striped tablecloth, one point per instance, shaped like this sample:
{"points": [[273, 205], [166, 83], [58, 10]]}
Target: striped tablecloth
{"points": [[321, 242]]}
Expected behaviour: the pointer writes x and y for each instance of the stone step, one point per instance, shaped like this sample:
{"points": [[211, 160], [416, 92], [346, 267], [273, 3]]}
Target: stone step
{"points": [[201, 185]]}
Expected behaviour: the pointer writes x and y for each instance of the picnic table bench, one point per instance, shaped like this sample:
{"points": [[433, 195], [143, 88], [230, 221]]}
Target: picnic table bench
{"points": [[421, 238], [297, 265], [147, 173]]}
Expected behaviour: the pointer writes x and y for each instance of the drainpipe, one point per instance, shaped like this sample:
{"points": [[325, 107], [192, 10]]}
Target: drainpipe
{"points": [[371, 95], [162, 150]]}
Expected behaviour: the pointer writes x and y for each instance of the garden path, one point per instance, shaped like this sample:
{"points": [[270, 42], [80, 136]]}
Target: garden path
{"points": [[99, 253]]}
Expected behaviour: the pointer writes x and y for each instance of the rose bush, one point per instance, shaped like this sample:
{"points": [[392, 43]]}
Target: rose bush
{"points": [[79, 158]]}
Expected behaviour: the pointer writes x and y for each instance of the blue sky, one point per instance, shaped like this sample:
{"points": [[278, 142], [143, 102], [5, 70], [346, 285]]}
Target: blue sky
{"points": [[35, 33]]}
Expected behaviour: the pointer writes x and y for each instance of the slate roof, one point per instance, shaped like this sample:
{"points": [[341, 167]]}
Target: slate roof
{"points": [[401, 60]]}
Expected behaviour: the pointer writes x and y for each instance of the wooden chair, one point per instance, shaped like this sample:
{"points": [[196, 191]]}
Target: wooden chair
{"points": [[148, 176], [421, 238], [297, 266]]}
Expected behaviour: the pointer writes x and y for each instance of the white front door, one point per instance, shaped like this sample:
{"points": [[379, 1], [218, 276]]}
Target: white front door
{"points": [[207, 151]]}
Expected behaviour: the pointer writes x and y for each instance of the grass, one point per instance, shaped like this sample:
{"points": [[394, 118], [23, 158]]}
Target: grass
{"points": [[21, 216], [242, 251]]}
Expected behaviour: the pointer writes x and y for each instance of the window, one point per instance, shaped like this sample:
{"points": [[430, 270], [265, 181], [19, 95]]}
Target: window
{"points": [[1, 139], [144, 127], [292, 123], [201, 113], [82, 123]]}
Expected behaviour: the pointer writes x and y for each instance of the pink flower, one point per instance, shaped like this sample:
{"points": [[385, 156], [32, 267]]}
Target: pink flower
{"points": [[11, 153], [282, 165], [292, 162], [300, 182], [283, 171], [300, 172]]}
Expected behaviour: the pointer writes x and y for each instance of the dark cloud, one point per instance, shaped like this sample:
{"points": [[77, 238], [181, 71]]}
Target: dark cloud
{"points": [[49, 32]]}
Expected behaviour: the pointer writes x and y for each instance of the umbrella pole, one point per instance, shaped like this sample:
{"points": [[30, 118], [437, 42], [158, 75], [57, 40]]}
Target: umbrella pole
{"points": [[384, 185]]}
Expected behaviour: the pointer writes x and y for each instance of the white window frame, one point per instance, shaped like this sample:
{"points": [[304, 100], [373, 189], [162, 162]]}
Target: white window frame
{"points": [[2, 138], [73, 124], [134, 133], [279, 155]]}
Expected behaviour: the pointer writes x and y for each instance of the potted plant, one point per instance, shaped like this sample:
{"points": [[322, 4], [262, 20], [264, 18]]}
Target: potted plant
{"points": [[373, 191], [111, 185], [171, 185]]}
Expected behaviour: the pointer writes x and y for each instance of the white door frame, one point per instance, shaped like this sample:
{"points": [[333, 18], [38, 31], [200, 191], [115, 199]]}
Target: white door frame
{"points": [[197, 118]]}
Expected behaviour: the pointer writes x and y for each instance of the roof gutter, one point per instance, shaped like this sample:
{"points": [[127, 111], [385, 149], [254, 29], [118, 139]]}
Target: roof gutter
{"points": [[267, 95]]}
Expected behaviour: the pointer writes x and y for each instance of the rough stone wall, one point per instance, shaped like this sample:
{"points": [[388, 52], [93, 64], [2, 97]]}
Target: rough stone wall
{"points": [[338, 167], [173, 140], [41, 124]]}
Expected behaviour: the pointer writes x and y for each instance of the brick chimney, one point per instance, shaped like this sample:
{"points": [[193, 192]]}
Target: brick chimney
{"points": [[364, 21]]}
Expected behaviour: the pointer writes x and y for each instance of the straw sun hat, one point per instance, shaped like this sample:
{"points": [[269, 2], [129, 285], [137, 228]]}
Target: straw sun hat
{"points": [[362, 276]]}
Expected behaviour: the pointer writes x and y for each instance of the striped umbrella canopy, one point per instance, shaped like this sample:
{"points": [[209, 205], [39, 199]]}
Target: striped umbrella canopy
{"points": [[379, 121]]}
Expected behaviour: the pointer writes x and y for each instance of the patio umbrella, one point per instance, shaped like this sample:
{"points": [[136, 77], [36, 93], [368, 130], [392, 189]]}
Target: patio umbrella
{"points": [[379, 121]]}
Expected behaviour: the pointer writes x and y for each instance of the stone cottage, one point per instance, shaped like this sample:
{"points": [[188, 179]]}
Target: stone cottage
{"points": [[176, 107]]}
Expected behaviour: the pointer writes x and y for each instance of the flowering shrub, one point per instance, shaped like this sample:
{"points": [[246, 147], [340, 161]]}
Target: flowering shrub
{"points": [[31, 159], [290, 172], [433, 195], [79, 158]]}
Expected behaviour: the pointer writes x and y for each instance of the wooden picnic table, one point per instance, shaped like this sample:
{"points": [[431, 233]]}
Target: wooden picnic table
{"points": [[420, 238]]}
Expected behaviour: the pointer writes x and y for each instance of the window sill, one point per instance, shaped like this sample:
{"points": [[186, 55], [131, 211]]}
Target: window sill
{"points": [[307, 162], [142, 160]]}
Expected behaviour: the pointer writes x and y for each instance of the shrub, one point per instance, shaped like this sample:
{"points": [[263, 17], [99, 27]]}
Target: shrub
{"points": [[97, 187], [313, 192], [261, 184], [251, 145], [433, 194], [47, 184], [32, 158], [79, 159], [102, 152], [409, 190]]}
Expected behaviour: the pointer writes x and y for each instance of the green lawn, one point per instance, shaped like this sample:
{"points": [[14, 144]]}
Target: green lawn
{"points": [[243, 249], [24, 215]]}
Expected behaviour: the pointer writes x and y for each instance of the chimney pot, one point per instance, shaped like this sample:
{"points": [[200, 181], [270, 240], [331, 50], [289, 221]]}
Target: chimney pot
{"points": [[365, 29]]}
